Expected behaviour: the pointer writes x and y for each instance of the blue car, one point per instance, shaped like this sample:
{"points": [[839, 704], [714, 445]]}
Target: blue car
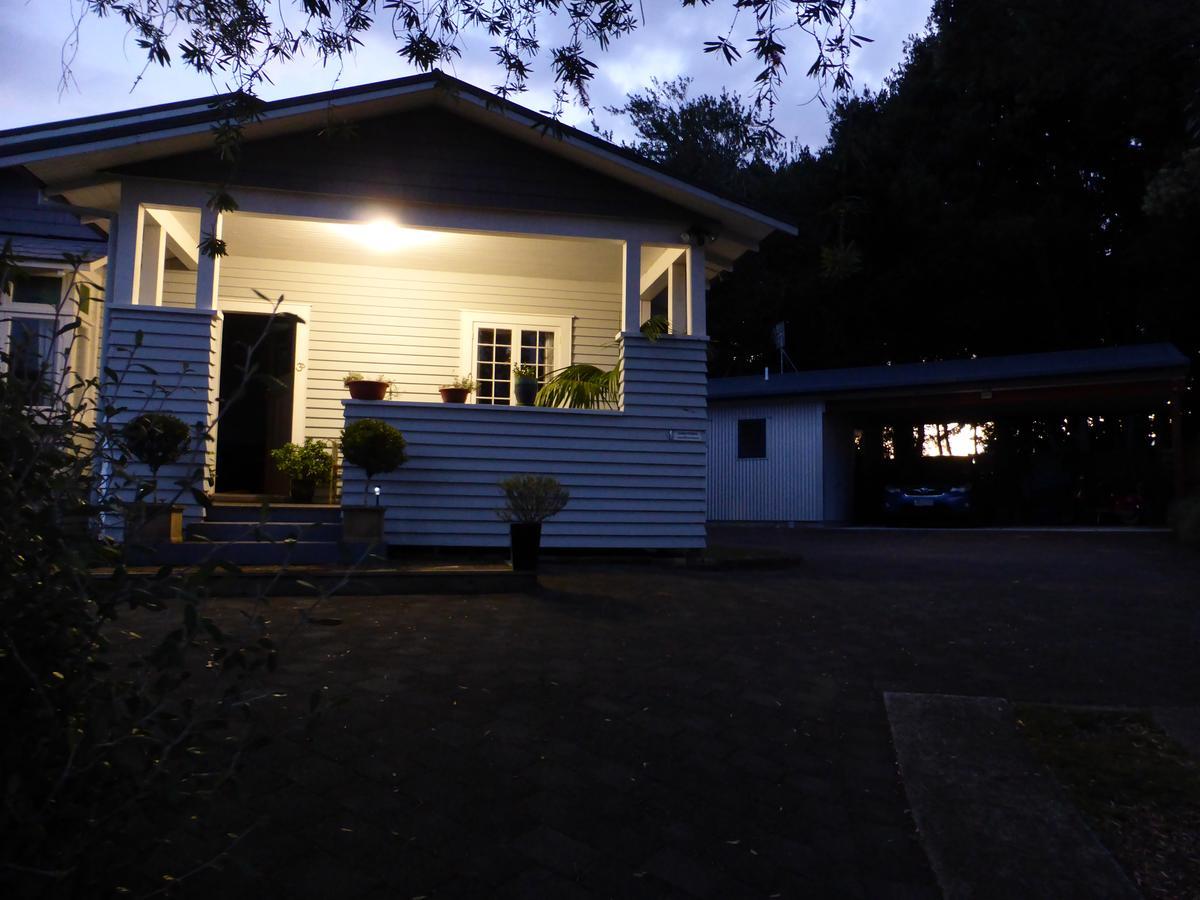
{"points": [[927, 497]]}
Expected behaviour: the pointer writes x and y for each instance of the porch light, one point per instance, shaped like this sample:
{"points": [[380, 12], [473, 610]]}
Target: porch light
{"points": [[386, 236]]}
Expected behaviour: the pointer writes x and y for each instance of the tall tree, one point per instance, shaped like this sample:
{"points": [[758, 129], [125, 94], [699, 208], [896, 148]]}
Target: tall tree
{"points": [[1023, 182]]}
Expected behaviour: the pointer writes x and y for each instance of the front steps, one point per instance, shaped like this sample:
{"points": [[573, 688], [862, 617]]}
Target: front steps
{"points": [[246, 535]]}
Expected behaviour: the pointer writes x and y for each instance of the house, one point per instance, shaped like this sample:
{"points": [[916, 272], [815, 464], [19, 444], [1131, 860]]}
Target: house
{"points": [[417, 229], [782, 447]]}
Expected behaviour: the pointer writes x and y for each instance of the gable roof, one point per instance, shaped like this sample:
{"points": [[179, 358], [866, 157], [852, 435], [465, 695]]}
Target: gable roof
{"points": [[42, 232], [963, 374], [62, 152]]}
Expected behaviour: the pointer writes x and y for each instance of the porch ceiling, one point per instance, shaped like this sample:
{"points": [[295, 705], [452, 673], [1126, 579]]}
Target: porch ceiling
{"points": [[344, 243]]}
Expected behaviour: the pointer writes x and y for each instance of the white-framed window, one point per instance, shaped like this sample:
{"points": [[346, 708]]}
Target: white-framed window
{"points": [[493, 344], [31, 314]]}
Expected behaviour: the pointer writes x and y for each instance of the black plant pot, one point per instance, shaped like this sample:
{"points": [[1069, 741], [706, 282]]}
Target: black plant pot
{"points": [[525, 390], [302, 491], [526, 541]]}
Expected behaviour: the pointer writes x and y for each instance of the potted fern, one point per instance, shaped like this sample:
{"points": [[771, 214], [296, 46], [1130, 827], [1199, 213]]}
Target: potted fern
{"points": [[305, 464], [376, 448], [155, 440], [529, 501]]}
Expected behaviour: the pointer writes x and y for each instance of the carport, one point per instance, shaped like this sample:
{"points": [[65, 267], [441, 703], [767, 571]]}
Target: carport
{"points": [[819, 445]]}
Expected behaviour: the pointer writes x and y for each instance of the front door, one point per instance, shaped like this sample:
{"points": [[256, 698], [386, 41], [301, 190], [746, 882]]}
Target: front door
{"points": [[258, 365]]}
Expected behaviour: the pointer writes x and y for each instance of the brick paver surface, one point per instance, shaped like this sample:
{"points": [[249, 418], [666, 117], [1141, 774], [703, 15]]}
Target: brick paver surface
{"points": [[653, 731]]}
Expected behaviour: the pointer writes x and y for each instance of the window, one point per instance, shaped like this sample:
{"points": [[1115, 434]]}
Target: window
{"points": [[44, 290], [752, 438], [30, 345], [496, 344]]}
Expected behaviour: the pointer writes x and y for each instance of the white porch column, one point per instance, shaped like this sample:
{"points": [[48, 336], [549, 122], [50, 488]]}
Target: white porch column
{"points": [[208, 268], [697, 310], [125, 249], [631, 280], [677, 296], [152, 255]]}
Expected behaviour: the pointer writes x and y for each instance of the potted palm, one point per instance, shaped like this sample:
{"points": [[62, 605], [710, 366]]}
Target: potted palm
{"points": [[376, 448], [458, 390], [363, 388], [525, 385], [155, 440], [305, 464], [529, 501]]}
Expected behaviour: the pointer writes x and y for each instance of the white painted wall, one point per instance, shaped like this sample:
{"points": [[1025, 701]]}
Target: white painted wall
{"points": [[404, 324], [631, 485], [786, 486]]}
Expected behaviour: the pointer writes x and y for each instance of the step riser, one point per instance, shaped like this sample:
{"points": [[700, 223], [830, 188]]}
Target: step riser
{"points": [[246, 554], [301, 514], [220, 532]]}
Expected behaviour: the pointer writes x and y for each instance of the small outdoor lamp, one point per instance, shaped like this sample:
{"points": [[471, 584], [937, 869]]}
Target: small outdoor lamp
{"points": [[377, 493]]}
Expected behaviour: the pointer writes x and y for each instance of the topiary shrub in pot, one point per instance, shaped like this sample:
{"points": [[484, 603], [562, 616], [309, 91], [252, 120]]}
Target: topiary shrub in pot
{"points": [[529, 501], [305, 464], [376, 448], [155, 440]]}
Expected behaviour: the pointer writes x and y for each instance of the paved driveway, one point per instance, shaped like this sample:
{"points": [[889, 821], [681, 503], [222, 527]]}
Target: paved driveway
{"points": [[651, 731]]}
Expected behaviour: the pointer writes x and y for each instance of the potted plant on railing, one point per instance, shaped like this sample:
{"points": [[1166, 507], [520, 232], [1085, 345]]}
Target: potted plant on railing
{"points": [[529, 501], [458, 390], [156, 440], [376, 448], [525, 385], [363, 388], [305, 464]]}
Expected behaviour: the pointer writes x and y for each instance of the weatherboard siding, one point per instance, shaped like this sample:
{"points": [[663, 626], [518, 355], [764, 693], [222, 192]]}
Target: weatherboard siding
{"points": [[404, 324], [631, 485], [164, 360], [787, 485]]}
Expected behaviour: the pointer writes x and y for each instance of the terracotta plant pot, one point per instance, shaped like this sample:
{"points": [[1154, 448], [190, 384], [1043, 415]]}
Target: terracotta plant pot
{"points": [[525, 539], [368, 390], [454, 395], [362, 525], [525, 390], [154, 523]]}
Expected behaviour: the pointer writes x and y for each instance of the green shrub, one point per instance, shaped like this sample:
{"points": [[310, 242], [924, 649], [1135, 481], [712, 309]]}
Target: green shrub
{"points": [[157, 439], [374, 446], [310, 461], [532, 498]]}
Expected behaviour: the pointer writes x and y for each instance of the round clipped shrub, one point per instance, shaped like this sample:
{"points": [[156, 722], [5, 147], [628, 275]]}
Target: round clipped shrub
{"points": [[374, 446], [157, 439], [309, 461]]}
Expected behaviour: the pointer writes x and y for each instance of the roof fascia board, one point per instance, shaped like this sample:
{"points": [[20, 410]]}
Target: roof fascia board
{"points": [[996, 386]]}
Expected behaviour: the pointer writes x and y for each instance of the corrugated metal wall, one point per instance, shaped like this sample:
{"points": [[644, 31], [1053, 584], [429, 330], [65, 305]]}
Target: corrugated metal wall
{"points": [[785, 486]]}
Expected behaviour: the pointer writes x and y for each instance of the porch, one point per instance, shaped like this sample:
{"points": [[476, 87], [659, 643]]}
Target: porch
{"points": [[301, 302]]}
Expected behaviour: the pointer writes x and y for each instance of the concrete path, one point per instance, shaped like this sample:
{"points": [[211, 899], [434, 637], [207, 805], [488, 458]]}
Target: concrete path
{"points": [[993, 821]]}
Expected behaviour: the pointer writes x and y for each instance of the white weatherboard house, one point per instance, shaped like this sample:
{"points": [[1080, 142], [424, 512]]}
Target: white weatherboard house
{"points": [[418, 229]]}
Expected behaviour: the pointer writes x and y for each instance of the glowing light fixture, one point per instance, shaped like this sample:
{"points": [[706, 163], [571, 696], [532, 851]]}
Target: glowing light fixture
{"points": [[386, 236]]}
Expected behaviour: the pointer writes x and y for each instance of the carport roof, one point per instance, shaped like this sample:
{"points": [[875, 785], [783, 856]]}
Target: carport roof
{"points": [[1058, 369]]}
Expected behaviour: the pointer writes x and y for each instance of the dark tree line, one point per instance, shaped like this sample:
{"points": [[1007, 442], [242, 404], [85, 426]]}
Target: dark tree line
{"points": [[1027, 180]]}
